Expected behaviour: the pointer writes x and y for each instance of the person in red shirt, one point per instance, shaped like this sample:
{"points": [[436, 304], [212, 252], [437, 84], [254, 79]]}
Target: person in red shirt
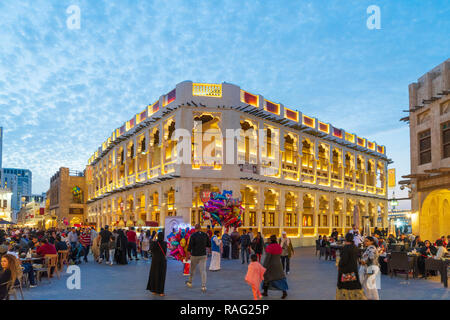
{"points": [[45, 248], [132, 239], [85, 240]]}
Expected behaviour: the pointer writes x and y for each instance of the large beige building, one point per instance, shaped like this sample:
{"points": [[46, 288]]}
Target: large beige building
{"points": [[429, 122], [292, 171]]}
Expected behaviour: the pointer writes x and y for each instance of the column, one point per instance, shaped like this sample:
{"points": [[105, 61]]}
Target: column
{"points": [[183, 198], [316, 210], [260, 207], [282, 209], [299, 211]]}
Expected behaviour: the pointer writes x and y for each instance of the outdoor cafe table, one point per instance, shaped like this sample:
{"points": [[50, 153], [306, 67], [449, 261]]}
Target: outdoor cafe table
{"points": [[441, 265], [413, 263]]}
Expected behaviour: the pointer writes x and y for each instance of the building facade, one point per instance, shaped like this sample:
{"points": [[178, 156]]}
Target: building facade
{"points": [[20, 182], [292, 172], [5, 204], [429, 123], [65, 203]]}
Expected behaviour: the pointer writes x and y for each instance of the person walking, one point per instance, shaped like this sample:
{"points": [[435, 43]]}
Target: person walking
{"points": [[121, 248], [288, 251], [198, 242], [216, 245], [146, 244], [244, 242], [132, 243], [258, 246], [85, 240], [274, 277], [235, 236], [226, 242], [105, 237], [158, 268], [370, 269], [254, 276], [348, 284], [73, 237]]}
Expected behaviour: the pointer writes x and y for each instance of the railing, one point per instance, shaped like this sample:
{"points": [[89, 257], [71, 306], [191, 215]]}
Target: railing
{"points": [[371, 189], [169, 167], [269, 171], [360, 187], [142, 176], [154, 172], [131, 179], [380, 191], [207, 90], [290, 174], [120, 182]]}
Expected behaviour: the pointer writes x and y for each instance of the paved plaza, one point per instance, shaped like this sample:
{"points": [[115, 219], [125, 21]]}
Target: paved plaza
{"points": [[309, 278]]}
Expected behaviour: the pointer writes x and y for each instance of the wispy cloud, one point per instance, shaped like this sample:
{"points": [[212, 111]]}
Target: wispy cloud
{"points": [[62, 91]]}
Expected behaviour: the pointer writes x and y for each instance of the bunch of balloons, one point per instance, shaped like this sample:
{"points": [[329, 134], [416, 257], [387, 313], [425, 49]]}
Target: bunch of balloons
{"points": [[222, 209], [178, 243]]}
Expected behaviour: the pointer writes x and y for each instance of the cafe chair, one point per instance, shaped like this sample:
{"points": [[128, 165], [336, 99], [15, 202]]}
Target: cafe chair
{"points": [[63, 259], [399, 262], [432, 265], [51, 261], [13, 289]]}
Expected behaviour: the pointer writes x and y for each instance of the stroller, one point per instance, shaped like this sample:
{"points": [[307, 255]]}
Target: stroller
{"points": [[77, 253]]}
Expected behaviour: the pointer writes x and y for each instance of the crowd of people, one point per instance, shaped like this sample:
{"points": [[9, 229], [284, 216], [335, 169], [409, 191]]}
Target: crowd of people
{"points": [[362, 258]]}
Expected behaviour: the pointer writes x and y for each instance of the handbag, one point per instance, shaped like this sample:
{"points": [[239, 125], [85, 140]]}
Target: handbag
{"points": [[348, 277]]}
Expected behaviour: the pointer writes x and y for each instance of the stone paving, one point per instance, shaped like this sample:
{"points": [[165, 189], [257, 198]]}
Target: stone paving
{"points": [[309, 278]]}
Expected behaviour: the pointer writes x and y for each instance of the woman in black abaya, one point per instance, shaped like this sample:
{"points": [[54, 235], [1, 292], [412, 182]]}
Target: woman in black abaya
{"points": [[157, 277], [121, 248]]}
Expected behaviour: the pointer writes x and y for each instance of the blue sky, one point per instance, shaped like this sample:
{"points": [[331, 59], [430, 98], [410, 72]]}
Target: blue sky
{"points": [[63, 91]]}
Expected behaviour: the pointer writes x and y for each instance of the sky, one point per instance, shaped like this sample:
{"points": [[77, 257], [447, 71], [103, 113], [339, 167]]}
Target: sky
{"points": [[64, 90]]}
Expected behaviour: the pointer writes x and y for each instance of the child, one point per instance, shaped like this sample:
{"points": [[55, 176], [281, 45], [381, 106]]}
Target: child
{"points": [[255, 275]]}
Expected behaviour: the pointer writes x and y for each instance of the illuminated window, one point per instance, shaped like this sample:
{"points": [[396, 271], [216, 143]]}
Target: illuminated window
{"points": [[290, 114], [337, 133], [272, 107], [308, 121], [249, 98]]}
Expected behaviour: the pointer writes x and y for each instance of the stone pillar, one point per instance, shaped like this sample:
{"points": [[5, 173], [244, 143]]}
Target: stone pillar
{"points": [[183, 198], [299, 211], [260, 208], [282, 209], [316, 212]]}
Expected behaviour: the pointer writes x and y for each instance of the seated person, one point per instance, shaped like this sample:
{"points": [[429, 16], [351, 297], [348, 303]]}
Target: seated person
{"points": [[59, 244], [428, 251], [441, 250], [77, 253], [45, 248]]}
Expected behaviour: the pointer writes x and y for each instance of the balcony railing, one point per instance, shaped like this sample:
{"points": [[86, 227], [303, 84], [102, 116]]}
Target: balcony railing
{"points": [[207, 90], [169, 167], [120, 182], [131, 179], [154, 172], [142, 176]]}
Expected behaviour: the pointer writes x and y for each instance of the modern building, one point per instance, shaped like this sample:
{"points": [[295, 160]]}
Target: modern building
{"points": [[429, 124], [293, 172], [5, 204], [31, 215], [19, 181], [65, 200]]}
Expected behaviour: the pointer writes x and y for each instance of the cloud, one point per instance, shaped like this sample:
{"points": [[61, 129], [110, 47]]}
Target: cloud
{"points": [[62, 92]]}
